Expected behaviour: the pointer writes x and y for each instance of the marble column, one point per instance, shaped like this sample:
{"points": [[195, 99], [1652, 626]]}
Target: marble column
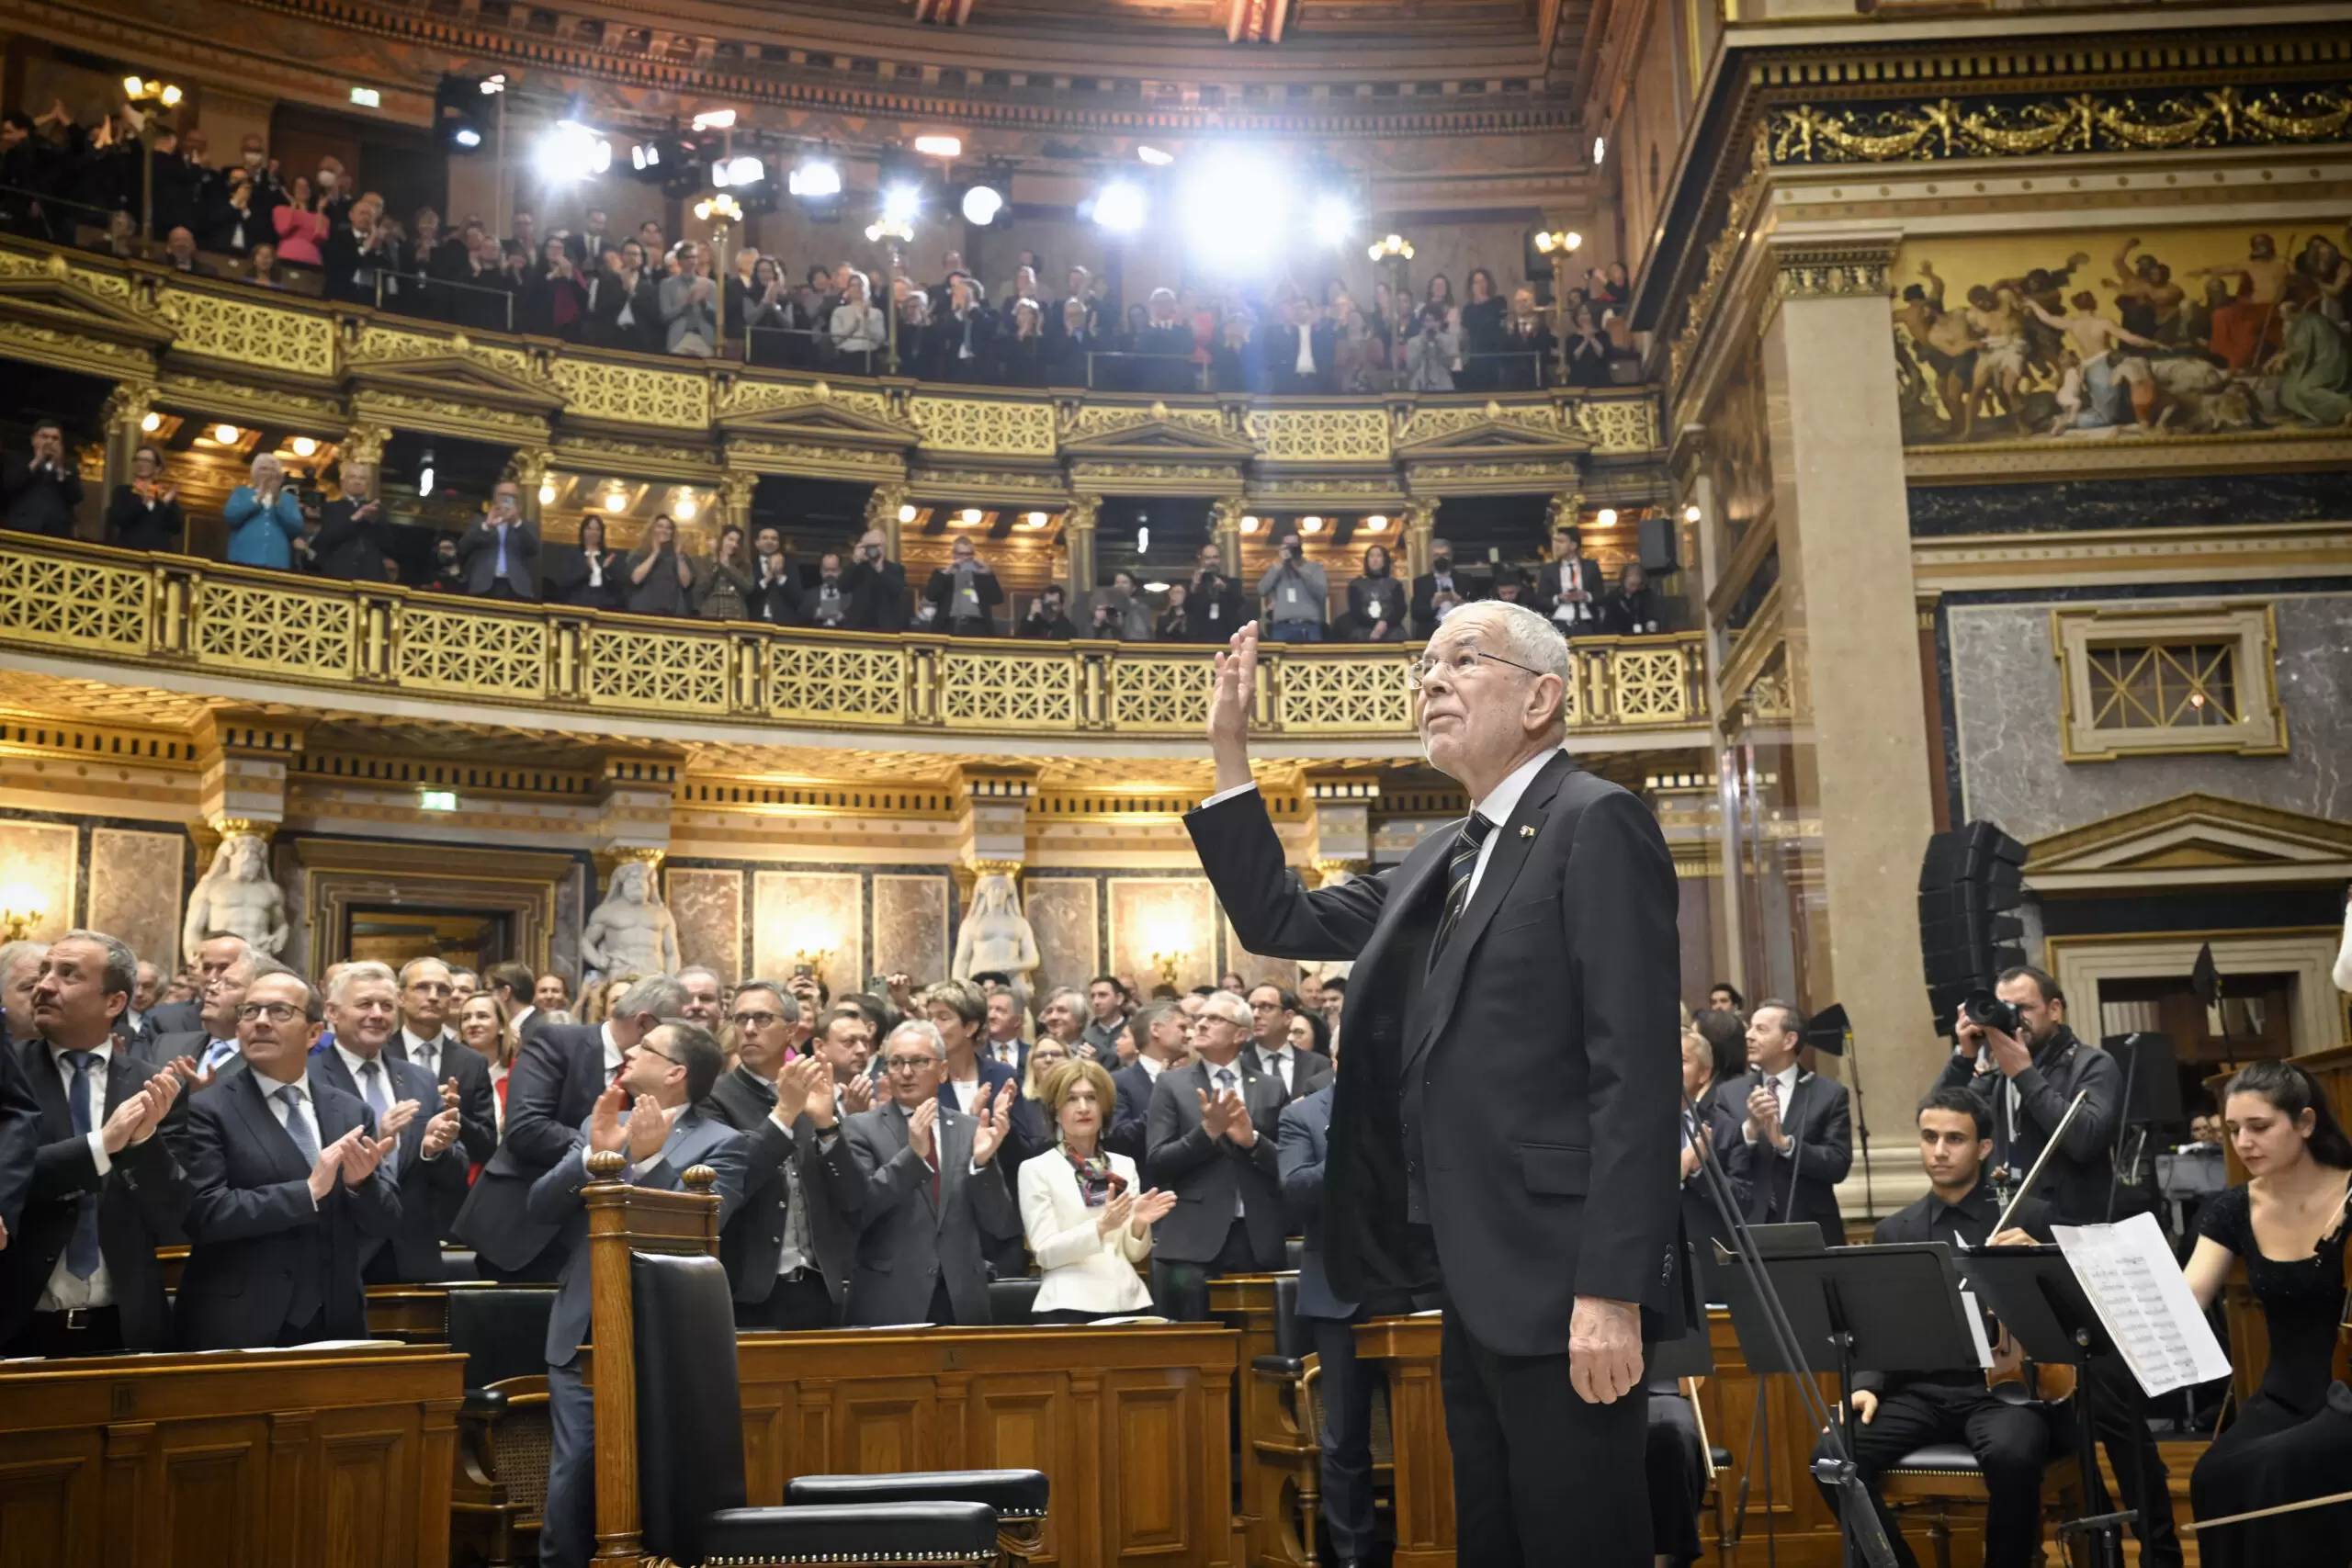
{"points": [[633, 801], [241, 763], [1078, 539], [1339, 843], [1419, 526], [1857, 740]]}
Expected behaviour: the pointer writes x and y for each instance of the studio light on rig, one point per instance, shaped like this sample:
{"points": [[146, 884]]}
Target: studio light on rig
{"points": [[900, 205], [740, 171], [1120, 206], [1234, 209], [458, 111], [940, 146], [715, 119], [982, 205], [1332, 221], [572, 152], [1159, 158], [815, 178]]}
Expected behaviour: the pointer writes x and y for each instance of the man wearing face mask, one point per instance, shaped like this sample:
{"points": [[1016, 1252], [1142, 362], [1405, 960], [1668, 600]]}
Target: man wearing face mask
{"points": [[879, 587], [963, 593], [269, 191], [1441, 578], [39, 491], [501, 554]]}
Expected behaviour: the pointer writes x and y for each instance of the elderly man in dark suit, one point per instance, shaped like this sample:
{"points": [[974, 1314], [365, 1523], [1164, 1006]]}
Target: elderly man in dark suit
{"points": [[214, 953], [1163, 1039], [286, 1177], [648, 1115], [363, 1012], [1331, 1322], [915, 1178], [1789, 1140], [771, 1249], [428, 995], [79, 1277], [1209, 1138], [1505, 1128], [499, 552], [551, 1088], [355, 535], [40, 491]]}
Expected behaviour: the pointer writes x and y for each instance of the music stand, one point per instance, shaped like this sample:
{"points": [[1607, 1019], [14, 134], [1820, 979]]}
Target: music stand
{"points": [[2151, 1099], [2033, 1292]]}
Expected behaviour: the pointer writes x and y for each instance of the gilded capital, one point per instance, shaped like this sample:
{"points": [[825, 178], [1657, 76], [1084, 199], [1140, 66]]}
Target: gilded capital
{"points": [[364, 445], [1226, 512], [1080, 515], [1566, 511], [1842, 269], [882, 507], [528, 465], [127, 409]]}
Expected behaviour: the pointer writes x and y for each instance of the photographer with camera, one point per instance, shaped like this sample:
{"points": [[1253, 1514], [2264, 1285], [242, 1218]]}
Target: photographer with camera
{"points": [[878, 584], [1432, 351], [2013, 1051], [1047, 618], [1293, 594], [962, 595]]}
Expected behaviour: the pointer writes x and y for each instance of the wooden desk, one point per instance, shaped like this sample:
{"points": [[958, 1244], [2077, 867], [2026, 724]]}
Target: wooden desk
{"points": [[272, 1459], [1245, 1304], [1407, 1349], [1133, 1424]]}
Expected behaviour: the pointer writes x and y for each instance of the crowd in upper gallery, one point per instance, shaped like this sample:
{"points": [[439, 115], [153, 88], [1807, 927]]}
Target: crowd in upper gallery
{"points": [[273, 522], [316, 234]]}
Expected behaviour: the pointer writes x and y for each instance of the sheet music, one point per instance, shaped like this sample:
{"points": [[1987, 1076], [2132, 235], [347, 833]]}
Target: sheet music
{"points": [[2142, 1299]]}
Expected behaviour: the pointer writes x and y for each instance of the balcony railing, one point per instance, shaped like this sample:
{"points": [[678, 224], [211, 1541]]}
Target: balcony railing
{"points": [[225, 346], [135, 612]]}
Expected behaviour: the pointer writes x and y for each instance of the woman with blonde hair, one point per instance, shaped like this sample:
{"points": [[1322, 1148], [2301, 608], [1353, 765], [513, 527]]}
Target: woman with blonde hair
{"points": [[483, 1025], [1087, 1220], [1045, 1056]]}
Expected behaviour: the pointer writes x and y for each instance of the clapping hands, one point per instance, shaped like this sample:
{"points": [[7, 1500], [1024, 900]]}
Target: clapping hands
{"points": [[994, 1117], [1226, 1115]]}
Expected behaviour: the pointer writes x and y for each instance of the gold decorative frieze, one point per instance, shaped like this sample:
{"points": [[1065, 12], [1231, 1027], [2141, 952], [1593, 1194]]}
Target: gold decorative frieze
{"points": [[1320, 435], [633, 394], [258, 334], [1832, 272], [2041, 125], [1001, 428]]}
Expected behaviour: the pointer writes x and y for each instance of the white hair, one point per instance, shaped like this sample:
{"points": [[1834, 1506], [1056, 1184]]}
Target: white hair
{"points": [[923, 1028], [1520, 634], [344, 975], [1226, 1006]]}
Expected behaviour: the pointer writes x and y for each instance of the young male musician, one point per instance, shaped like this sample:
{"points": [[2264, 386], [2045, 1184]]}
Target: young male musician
{"points": [[1901, 1411]]}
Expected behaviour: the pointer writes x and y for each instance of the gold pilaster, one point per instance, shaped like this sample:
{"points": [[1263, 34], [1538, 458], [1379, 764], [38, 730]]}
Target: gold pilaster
{"points": [[1078, 538]]}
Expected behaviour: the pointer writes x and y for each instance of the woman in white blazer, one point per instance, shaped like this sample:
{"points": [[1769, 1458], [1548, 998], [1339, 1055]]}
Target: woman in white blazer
{"points": [[1088, 1221]]}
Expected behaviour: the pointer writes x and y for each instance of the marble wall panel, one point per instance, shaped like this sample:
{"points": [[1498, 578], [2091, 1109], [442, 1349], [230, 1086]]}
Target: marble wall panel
{"points": [[911, 926], [135, 882], [709, 908], [2008, 710], [1150, 914], [38, 865], [1063, 911], [799, 911]]}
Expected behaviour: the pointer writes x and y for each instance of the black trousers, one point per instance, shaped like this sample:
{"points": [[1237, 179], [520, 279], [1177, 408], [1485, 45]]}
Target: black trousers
{"points": [[1540, 1476], [794, 1305], [1345, 1388], [2119, 1412], [2012, 1442], [56, 1334], [1678, 1476], [1183, 1289]]}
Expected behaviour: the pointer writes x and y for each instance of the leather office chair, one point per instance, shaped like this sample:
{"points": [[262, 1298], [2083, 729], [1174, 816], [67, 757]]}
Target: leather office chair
{"points": [[1014, 1301], [1936, 1479], [1019, 1498], [502, 1439], [689, 1445]]}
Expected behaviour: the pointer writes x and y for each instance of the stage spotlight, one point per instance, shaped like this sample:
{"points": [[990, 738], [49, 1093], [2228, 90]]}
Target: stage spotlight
{"points": [[901, 204], [1332, 221], [457, 119], [1233, 210], [981, 206], [741, 170], [571, 152], [815, 178], [715, 119], [1157, 157], [940, 146], [1119, 206], [645, 157]]}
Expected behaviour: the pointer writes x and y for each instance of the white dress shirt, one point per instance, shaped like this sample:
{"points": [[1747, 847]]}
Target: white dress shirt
{"points": [[1282, 1063], [64, 1293], [967, 1090], [614, 1054], [424, 1053]]}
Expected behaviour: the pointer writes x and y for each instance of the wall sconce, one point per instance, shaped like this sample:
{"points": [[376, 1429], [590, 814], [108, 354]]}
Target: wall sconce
{"points": [[1567, 242], [20, 912], [813, 945], [1167, 954], [1391, 245]]}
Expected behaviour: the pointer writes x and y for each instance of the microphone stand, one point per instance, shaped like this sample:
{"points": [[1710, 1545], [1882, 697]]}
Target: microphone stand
{"points": [[1858, 1519]]}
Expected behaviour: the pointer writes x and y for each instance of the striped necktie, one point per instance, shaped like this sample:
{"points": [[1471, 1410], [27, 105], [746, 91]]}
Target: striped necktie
{"points": [[1458, 868]]}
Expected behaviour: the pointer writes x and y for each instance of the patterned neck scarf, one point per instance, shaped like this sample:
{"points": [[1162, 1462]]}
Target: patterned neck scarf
{"points": [[1095, 1177]]}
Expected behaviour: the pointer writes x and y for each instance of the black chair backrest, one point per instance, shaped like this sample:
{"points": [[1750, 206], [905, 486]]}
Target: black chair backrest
{"points": [[501, 1331], [1290, 1338], [689, 1403], [1013, 1301], [1294, 1252]]}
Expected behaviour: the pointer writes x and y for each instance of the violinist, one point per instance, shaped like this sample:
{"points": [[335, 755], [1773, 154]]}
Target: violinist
{"points": [[145, 514], [2292, 1441], [1899, 1412]]}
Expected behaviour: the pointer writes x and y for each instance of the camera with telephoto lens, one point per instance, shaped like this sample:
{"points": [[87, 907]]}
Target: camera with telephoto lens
{"points": [[1986, 1010]]}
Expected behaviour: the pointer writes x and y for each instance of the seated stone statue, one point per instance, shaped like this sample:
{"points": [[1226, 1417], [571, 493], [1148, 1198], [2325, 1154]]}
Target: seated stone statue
{"points": [[236, 896], [631, 931]]}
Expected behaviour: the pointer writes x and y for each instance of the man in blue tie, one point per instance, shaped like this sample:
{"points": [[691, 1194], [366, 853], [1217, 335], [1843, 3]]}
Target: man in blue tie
{"points": [[363, 1006], [81, 1278], [499, 553]]}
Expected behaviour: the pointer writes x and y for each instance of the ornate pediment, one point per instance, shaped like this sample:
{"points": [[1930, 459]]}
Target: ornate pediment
{"points": [[1156, 437], [2192, 839], [830, 421], [1471, 436], [457, 378], [55, 298]]}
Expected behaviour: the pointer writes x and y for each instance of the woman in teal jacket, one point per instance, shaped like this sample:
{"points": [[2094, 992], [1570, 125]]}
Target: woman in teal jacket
{"points": [[264, 518]]}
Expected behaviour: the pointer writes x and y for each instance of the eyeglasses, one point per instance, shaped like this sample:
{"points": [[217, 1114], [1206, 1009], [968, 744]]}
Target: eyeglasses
{"points": [[657, 1051], [909, 1064], [757, 1020], [1417, 671], [276, 1013]]}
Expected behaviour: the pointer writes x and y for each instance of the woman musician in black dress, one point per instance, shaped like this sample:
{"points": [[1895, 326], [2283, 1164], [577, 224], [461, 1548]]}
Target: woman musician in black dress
{"points": [[2292, 1441]]}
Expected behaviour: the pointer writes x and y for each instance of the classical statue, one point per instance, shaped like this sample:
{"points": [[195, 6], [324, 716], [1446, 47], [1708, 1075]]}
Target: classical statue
{"points": [[996, 936], [631, 931], [236, 896]]}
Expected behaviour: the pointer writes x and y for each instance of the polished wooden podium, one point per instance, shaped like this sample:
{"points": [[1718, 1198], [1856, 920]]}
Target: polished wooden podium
{"points": [[322, 1457]]}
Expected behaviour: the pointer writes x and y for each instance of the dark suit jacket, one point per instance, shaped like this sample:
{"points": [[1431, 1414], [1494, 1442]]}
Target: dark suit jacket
{"points": [[555, 1202], [134, 525], [753, 1245], [1308, 1071], [177, 1018], [349, 548], [1305, 1133], [476, 1100], [1521, 1092], [907, 1241], [261, 1254], [878, 596], [431, 1189], [39, 502], [1466, 587], [478, 550], [1128, 1134], [1818, 1117], [1547, 590], [140, 1199], [549, 1091], [1280, 342], [20, 1140], [1206, 1174], [2075, 1183]]}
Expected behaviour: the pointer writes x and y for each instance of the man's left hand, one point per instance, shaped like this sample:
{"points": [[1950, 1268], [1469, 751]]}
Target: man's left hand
{"points": [[1604, 1349], [649, 1128], [994, 1118]]}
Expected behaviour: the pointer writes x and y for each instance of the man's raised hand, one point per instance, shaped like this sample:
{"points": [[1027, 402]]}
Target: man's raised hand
{"points": [[995, 1118], [1231, 694], [649, 1128], [605, 1134]]}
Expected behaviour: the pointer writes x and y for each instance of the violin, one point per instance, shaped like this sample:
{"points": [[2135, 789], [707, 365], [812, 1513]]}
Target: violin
{"points": [[2014, 1378]]}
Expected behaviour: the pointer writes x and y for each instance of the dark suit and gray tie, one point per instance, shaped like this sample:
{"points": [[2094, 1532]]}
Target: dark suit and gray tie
{"points": [[1228, 1214], [923, 1226], [1346, 1384]]}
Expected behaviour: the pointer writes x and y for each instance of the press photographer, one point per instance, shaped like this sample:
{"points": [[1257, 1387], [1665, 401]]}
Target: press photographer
{"points": [[1292, 594]]}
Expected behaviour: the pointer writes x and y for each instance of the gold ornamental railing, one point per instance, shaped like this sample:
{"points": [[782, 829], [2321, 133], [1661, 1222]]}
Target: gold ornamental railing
{"points": [[137, 612]]}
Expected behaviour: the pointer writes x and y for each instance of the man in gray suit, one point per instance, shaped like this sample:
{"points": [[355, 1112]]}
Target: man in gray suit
{"points": [[649, 1116], [913, 1177], [1331, 1322], [1201, 1141]]}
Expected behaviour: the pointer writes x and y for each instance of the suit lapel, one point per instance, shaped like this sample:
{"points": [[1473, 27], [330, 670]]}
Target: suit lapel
{"points": [[1423, 869], [261, 1122], [48, 1087], [1513, 842]]}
